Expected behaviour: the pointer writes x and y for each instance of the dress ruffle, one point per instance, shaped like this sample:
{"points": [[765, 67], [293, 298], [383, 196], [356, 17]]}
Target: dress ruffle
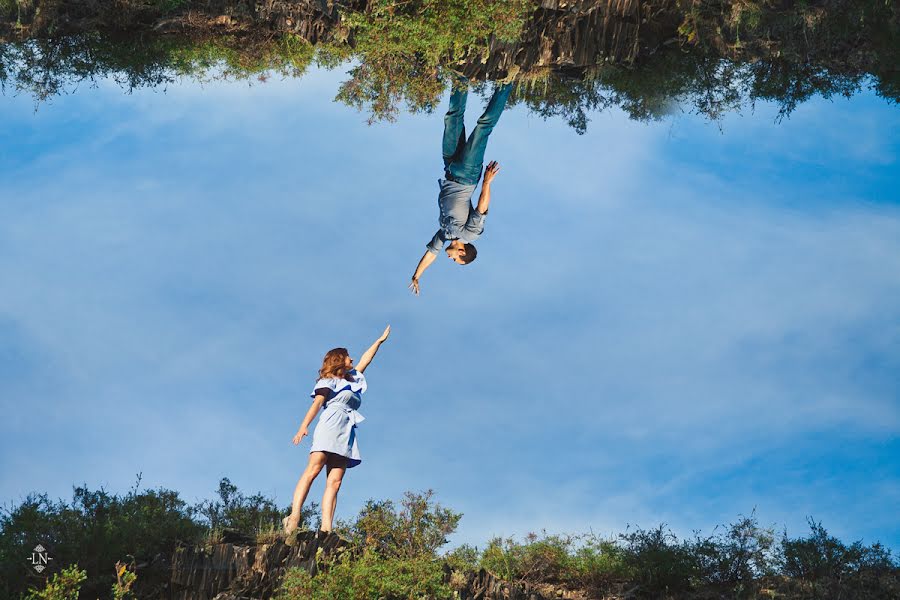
{"points": [[358, 386]]}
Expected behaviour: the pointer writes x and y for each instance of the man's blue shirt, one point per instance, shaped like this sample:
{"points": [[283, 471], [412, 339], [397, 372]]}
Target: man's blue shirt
{"points": [[459, 220]]}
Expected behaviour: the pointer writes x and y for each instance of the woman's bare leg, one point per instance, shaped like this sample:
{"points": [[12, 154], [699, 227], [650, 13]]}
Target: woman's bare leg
{"points": [[336, 468], [317, 460]]}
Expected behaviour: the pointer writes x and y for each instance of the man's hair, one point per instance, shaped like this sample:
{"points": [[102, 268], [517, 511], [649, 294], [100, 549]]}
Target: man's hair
{"points": [[470, 254]]}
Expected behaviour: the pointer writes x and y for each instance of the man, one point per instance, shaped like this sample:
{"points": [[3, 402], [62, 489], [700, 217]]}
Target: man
{"points": [[460, 224]]}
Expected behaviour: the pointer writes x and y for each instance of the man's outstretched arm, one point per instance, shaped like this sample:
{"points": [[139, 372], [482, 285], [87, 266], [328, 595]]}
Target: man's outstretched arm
{"points": [[484, 200], [426, 261]]}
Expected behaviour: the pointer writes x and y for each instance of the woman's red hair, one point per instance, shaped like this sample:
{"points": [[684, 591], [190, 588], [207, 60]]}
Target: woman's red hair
{"points": [[333, 365]]}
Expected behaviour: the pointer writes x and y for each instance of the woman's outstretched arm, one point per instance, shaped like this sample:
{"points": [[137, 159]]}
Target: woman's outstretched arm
{"points": [[317, 403], [369, 354]]}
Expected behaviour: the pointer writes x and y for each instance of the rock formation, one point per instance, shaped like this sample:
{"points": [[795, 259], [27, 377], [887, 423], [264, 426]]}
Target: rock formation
{"points": [[238, 568]]}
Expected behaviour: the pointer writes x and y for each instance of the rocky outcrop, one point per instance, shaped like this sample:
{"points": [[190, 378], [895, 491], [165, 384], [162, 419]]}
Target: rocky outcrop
{"points": [[484, 586], [238, 568], [580, 33]]}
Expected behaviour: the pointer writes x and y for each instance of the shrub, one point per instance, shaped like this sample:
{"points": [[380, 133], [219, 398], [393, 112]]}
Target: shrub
{"points": [[819, 556], [402, 45], [539, 560], [417, 529], [597, 562], [96, 529], [368, 575], [61, 586], [735, 559], [254, 515], [833, 569], [125, 578], [235, 58], [463, 558], [659, 563], [584, 562], [502, 557]]}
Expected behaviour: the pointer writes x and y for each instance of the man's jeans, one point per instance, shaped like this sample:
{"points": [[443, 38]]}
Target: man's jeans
{"points": [[463, 159]]}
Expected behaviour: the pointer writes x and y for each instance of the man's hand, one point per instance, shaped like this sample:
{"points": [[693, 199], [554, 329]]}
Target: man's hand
{"points": [[491, 171], [484, 200], [424, 262]]}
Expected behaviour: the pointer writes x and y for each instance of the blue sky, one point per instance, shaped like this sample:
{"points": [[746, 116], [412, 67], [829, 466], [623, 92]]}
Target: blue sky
{"points": [[665, 323]]}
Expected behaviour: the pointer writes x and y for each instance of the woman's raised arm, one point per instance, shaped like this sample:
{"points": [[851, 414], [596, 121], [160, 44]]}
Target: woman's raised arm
{"points": [[369, 354]]}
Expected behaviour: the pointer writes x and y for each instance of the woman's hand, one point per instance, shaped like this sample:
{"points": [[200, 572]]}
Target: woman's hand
{"points": [[491, 171], [414, 285], [303, 432], [369, 354]]}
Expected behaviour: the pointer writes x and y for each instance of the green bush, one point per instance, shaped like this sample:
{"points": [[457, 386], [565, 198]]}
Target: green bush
{"points": [[401, 47], [660, 564], [366, 576], [463, 558], [586, 562], [735, 559], [431, 32], [252, 515], [833, 569], [540, 559], [502, 558], [96, 530], [417, 529], [64, 585], [598, 562], [234, 58], [46, 67], [125, 578]]}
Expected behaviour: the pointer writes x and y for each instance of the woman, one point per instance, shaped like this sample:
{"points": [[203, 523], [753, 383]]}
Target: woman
{"points": [[334, 439]]}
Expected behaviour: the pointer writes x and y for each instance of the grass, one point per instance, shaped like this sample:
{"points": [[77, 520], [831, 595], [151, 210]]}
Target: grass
{"points": [[269, 534]]}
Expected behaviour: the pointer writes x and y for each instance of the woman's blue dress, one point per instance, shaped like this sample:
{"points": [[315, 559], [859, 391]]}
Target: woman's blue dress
{"points": [[336, 429]]}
